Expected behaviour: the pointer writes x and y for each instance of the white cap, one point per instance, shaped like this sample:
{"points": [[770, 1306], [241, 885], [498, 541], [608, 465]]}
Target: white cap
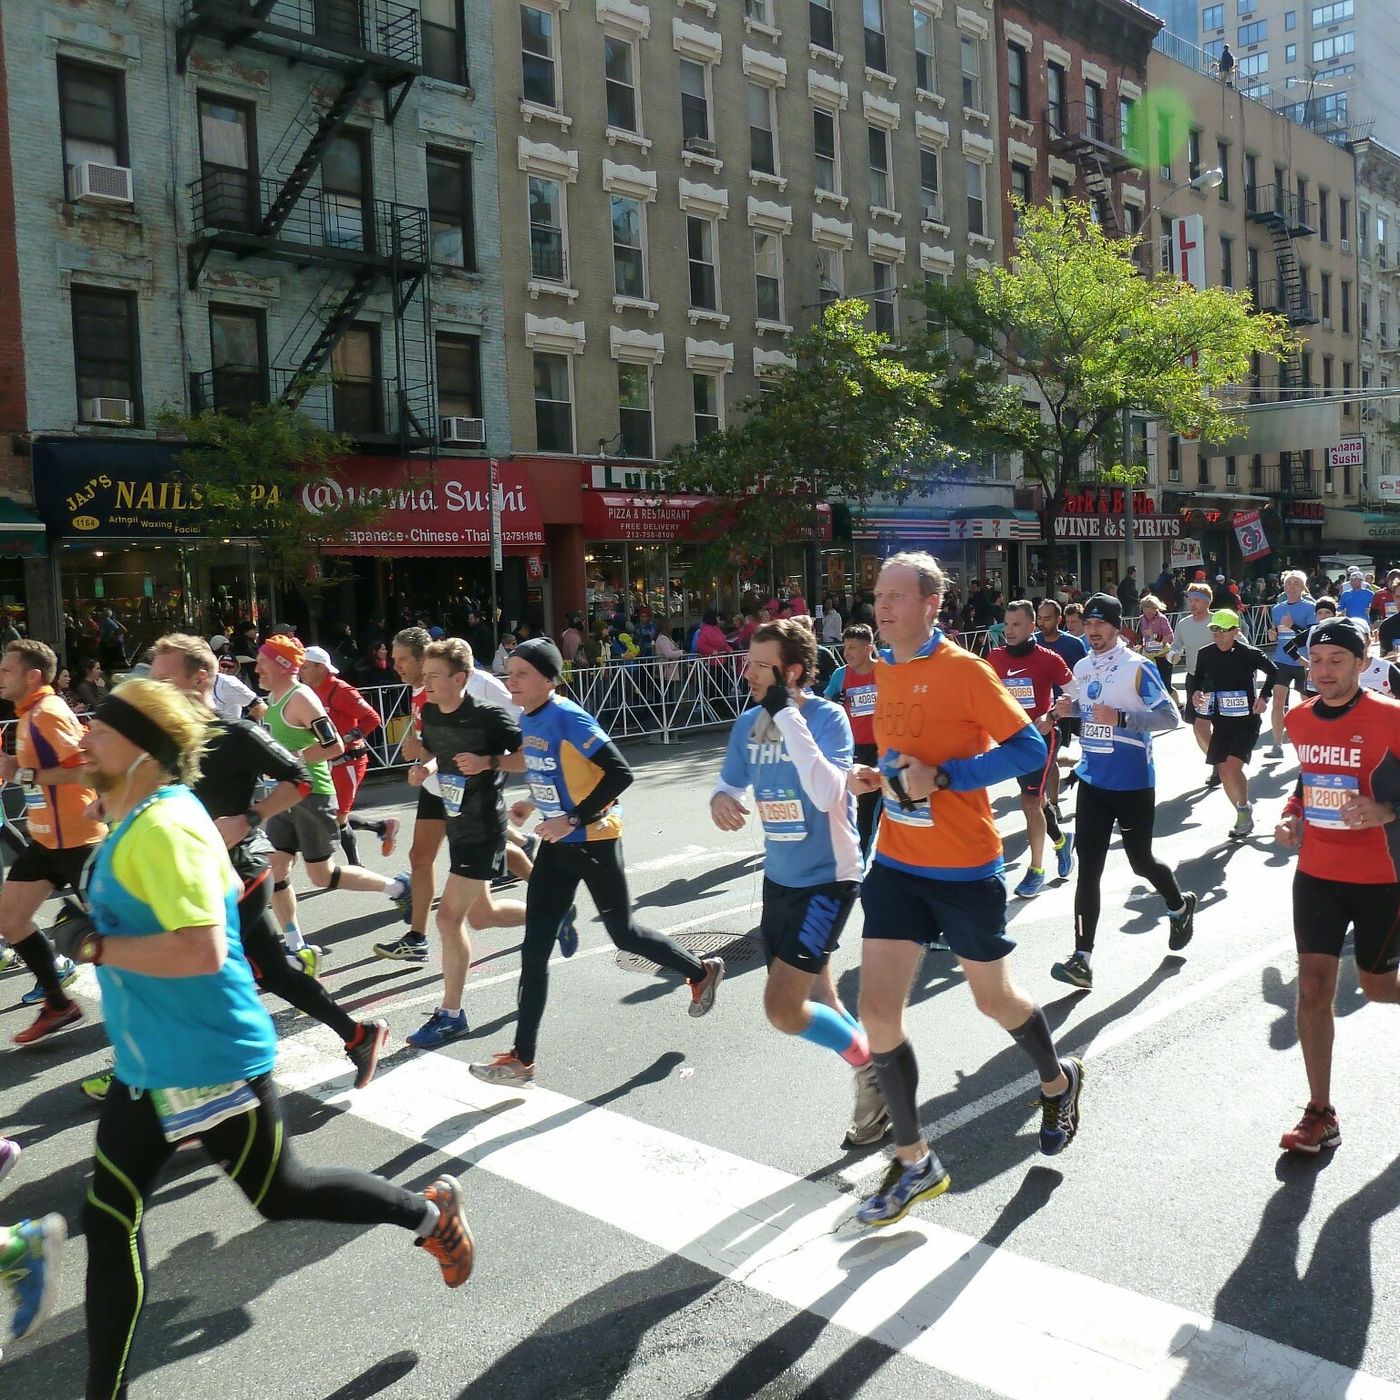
{"points": [[319, 656], [218, 643]]}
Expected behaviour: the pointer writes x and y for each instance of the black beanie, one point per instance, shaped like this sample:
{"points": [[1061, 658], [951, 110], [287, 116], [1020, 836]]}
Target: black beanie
{"points": [[543, 655], [1104, 607]]}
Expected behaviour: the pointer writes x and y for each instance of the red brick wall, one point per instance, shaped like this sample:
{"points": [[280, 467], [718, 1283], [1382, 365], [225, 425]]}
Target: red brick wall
{"points": [[14, 471]]}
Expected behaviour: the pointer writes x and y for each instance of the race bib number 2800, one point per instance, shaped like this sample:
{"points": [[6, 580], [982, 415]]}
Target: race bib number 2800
{"points": [[1324, 796]]}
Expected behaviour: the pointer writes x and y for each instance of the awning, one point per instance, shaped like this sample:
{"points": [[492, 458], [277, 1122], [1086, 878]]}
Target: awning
{"points": [[610, 516], [1348, 525], [22, 534], [922, 523]]}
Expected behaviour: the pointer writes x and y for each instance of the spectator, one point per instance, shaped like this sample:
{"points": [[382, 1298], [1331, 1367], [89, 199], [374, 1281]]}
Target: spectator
{"points": [[572, 638], [709, 639], [502, 656], [375, 668], [832, 624], [344, 650], [1164, 589], [92, 689], [111, 640], [667, 651], [1128, 592], [63, 687]]}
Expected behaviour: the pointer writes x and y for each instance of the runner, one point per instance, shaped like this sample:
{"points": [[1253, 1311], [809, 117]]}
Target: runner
{"points": [[300, 724], [1222, 686], [1294, 613], [232, 699], [62, 836], [1071, 650], [946, 729], [1342, 820], [1356, 598], [576, 775], [1032, 673], [1387, 602], [194, 1047], [1074, 621], [1122, 703], [1193, 633], [795, 752], [456, 729], [852, 686], [355, 719]]}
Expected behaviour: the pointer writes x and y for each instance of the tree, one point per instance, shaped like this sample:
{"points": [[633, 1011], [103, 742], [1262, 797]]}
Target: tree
{"points": [[1073, 325]]}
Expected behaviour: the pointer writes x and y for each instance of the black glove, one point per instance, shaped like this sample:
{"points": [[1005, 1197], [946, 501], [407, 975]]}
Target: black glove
{"points": [[74, 935], [776, 697]]}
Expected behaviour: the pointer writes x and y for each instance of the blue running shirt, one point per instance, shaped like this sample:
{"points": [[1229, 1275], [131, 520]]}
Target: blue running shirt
{"points": [[558, 739]]}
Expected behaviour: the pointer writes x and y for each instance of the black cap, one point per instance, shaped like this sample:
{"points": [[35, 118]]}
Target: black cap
{"points": [[1104, 607], [1345, 632], [543, 655]]}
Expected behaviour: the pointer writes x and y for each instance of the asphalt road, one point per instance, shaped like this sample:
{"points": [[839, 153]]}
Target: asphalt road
{"points": [[667, 1213]]}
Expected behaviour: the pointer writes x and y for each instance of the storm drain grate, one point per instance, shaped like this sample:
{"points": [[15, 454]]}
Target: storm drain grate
{"points": [[736, 951]]}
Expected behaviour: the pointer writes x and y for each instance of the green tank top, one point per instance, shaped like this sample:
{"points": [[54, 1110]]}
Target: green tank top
{"points": [[296, 739]]}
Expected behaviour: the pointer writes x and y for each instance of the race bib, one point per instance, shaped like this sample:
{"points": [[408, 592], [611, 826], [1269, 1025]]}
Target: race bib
{"points": [[1096, 738], [1231, 704], [1154, 646], [185, 1113], [862, 701], [545, 796], [1022, 690], [1324, 796], [780, 811], [454, 788], [919, 814], [33, 798]]}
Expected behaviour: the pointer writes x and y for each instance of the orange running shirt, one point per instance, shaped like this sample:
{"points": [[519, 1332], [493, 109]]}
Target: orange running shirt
{"points": [[47, 736], [945, 705]]}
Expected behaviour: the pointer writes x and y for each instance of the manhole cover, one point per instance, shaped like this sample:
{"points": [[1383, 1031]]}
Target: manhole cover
{"points": [[735, 950]]}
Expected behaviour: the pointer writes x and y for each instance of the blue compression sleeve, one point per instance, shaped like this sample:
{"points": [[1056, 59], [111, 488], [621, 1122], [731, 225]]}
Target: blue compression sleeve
{"points": [[1023, 752]]}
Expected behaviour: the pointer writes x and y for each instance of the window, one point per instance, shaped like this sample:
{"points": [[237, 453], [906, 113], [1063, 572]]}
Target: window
{"points": [[444, 46], [695, 101], [1251, 262], [1326, 298], [925, 69], [1324, 198], [882, 301], [554, 408], [1174, 458], [700, 247], [970, 54], [1059, 192], [619, 78], [1164, 144], [874, 13], [1256, 32], [106, 350], [1252, 65], [824, 142], [1290, 21], [238, 359], [629, 262], [1323, 15], [1231, 472], [1364, 307], [1251, 180], [92, 115], [830, 276], [704, 390], [1213, 17], [763, 151], [1127, 122], [1256, 472], [458, 375], [1247, 7], [357, 406], [634, 409], [346, 174], [1018, 81], [1222, 160], [879, 145], [976, 197], [1056, 96], [227, 156], [1324, 50], [547, 260], [1343, 218], [1227, 261], [1290, 53], [1093, 110], [450, 208], [1213, 49], [1202, 468], [761, 11], [822, 24], [537, 55], [930, 196], [768, 275], [1193, 154]]}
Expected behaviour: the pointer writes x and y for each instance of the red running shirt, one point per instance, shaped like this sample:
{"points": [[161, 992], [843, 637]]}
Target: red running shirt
{"points": [[1031, 679]]}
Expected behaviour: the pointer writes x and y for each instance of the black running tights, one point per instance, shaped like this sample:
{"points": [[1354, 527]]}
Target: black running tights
{"points": [[251, 1148], [1097, 811], [559, 869]]}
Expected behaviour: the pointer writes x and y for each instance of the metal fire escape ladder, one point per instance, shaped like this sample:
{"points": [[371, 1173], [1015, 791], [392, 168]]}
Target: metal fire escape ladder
{"points": [[334, 324]]}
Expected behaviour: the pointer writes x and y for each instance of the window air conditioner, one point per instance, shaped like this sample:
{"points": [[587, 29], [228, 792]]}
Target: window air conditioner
{"points": [[107, 411], [1329, 487], [698, 145], [90, 182], [464, 430]]}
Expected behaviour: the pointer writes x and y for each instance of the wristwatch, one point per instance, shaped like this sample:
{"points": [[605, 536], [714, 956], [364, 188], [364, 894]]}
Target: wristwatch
{"points": [[574, 820], [27, 775], [254, 818], [942, 782]]}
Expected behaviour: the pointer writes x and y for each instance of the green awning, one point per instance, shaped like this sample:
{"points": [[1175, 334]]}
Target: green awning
{"points": [[22, 534]]}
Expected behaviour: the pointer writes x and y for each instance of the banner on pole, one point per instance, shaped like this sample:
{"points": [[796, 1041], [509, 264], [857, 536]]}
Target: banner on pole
{"points": [[497, 562], [1185, 553], [1249, 531]]}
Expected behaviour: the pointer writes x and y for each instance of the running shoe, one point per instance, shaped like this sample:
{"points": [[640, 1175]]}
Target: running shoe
{"points": [[388, 835], [870, 1119], [1059, 1113], [309, 959], [365, 1049], [1064, 856], [1182, 925], [97, 1086], [48, 1021], [438, 1030], [1244, 824], [411, 948], [67, 975], [9, 1156], [1075, 970], [32, 1279], [1318, 1128], [504, 1068], [939, 944], [1213, 781], [702, 993], [902, 1189], [1276, 751], [568, 933], [1032, 882], [10, 961], [531, 847], [451, 1241], [404, 902]]}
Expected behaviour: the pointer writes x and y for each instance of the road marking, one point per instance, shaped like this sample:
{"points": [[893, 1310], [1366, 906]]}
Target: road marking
{"points": [[687, 855], [1021, 1328]]}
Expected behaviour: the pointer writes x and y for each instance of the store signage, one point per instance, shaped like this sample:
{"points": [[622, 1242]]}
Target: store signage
{"points": [[1305, 512], [657, 519], [1388, 487], [1382, 529], [1188, 250], [1110, 527], [1350, 452], [618, 476], [1107, 501]]}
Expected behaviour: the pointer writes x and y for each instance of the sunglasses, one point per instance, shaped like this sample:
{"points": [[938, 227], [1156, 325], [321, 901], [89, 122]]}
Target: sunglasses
{"points": [[1224, 629]]}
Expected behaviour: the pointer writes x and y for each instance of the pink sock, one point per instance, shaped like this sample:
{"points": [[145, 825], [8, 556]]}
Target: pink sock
{"points": [[857, 1054]]}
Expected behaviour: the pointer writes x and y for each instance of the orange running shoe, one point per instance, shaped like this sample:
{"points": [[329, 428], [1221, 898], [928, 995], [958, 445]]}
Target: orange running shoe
{"points": [[48, 1021], [451, 1241], [1318, 1128], [505, 1067]]}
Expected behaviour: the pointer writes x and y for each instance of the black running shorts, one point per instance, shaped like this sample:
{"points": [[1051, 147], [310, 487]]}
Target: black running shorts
{"points": [[1323, 911], [970, 914], [801, 927], [430, 807], [62, 868], [1233, 738]]}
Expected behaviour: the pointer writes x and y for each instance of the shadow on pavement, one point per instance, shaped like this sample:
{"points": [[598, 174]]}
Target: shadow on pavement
{"points": [[382, 1376], [1283, 1033], [682, 892]]}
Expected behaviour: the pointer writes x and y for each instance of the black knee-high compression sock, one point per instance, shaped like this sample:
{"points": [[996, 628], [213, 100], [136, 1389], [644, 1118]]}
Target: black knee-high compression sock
{"points": [[898, 1074], [1034, 1037]]}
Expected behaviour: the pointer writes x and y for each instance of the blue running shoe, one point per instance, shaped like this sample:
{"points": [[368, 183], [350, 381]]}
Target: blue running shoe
{"points": [[32, 1279], [1059, 1113], [67, 975], [441, 1028], [902, 1188], [404, 902], [1032, 882], [1064, 856], [568, 933]]}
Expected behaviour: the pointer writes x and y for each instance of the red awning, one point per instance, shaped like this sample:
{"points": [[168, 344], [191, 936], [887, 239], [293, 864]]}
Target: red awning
{"points": [[430, 507], [609, 515]]}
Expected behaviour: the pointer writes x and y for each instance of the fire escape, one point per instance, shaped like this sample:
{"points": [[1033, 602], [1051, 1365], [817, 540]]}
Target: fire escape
{"points": [[1097, 147], [359, 246]]}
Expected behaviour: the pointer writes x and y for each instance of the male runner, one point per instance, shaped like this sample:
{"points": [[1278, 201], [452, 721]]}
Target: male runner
{"points": [[1193, 633], [300, 724], [946, 729], [231, 698], [1387, 601], [1295, 612], [62, 836], [1121, 702], [456, 727], [194, 1047], [576, 775], [1222, 687], [795, 752], [1031, 673], [355, 719], [852, 686], [1356, 598], [1342, 819], [1074, 621], [1071, 650]]}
